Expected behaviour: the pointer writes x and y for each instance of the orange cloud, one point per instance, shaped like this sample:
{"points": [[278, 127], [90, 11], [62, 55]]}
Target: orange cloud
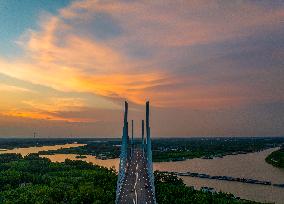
{"points": [[60, 56], [41, 116], [180, 55], [55, 104], [130, 86]]}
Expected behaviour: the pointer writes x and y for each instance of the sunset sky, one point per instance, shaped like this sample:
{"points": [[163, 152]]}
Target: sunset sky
{"points": [[209, 68]]}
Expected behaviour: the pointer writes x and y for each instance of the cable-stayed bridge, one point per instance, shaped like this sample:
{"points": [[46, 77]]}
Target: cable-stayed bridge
{"points": [[135, 182]]}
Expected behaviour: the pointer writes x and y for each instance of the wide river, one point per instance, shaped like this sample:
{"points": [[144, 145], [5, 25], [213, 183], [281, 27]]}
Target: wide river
{"points": [[250, 165]]}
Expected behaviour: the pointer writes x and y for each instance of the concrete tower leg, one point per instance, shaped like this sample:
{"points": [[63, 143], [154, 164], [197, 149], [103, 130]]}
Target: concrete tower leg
{"points": [[123, 153], [132, 139], [142, 139], [149, 149]]}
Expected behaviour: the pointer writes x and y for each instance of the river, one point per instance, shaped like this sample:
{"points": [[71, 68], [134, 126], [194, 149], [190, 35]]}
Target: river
{"points": [[250, 165], [29, 150]]}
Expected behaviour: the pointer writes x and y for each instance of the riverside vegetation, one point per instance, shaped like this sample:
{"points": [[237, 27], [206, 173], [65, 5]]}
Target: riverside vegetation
{"points": [[177, 149], [276, 158], [32, 179]]}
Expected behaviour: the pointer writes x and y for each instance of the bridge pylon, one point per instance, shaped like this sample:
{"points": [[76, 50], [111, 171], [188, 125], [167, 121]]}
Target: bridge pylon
{"points": [[124, 154], [149, 150], [142, 138], [135, 183]]}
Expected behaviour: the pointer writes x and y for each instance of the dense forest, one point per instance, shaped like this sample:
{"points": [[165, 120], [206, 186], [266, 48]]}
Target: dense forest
{"points": [[276, 158], [38, 180]]}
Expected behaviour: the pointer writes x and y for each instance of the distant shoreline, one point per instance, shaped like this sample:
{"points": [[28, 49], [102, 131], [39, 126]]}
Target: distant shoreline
{"points": [[225, 178]]}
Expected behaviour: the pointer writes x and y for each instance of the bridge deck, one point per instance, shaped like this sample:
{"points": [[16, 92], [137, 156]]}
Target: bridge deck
{"points": [[136, 188]]}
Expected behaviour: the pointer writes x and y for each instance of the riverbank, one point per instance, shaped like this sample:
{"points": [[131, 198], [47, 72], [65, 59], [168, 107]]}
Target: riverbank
{"points": [[32, 179], [251, 165], [109, 149], [12, 143], [225, 178], [165, 150], [276, 158], [36, 149]]}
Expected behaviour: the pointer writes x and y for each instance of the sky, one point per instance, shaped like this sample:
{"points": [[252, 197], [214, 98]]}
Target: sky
{"points": [[208, 68]]}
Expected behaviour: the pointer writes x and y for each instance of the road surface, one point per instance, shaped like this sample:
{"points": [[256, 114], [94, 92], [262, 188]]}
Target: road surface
{"points": [[136, 188]]}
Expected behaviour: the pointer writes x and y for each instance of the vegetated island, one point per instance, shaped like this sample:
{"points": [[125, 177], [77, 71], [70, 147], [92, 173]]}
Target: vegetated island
{"points": [[32, 179], [276, 158], [102, 149], [178, 149]]}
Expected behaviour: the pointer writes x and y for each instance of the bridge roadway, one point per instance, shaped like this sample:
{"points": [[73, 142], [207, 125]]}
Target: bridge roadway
{"points": [[136, 189]]}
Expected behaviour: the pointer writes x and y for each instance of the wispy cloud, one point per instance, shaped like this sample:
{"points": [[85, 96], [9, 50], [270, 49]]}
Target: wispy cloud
{"points": [[202, 55]]}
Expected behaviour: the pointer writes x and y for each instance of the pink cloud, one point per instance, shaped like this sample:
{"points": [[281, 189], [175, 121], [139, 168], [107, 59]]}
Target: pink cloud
{"points": [[61, 56]]}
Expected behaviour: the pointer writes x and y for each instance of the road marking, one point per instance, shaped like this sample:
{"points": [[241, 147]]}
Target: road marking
{"points": [[135, 195], [136, 180]]}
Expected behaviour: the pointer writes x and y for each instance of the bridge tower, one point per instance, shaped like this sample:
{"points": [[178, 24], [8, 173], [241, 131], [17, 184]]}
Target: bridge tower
{"points": [[132, 137], [149, 150], [143, 140], [135, 182], [124, 154]]}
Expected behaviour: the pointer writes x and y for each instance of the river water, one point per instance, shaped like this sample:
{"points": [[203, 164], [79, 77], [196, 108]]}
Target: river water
{"points": [[29, 150], [250, 165]]}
